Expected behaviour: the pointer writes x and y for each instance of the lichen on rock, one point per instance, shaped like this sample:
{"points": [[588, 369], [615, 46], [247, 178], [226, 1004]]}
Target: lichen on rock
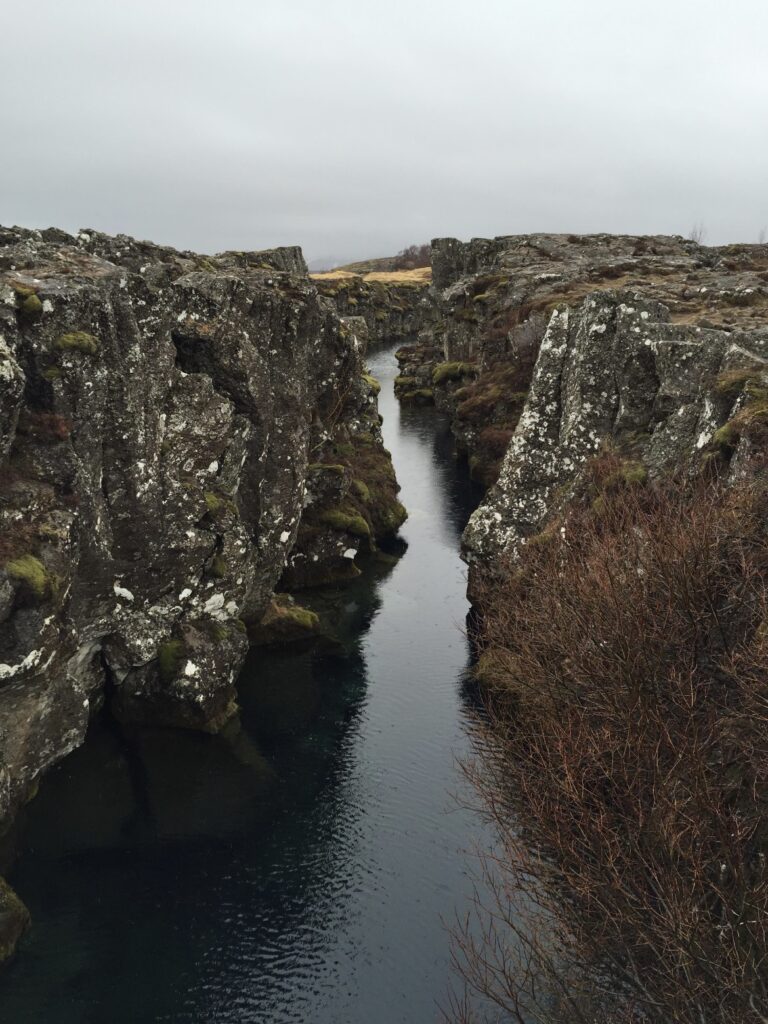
{"points": [[159, 414]]}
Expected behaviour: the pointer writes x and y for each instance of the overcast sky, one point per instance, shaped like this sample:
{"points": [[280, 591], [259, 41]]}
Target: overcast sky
{"points": [[355, 127]]}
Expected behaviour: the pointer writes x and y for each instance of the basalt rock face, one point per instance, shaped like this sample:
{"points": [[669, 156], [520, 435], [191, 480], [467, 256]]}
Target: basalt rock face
{"points": [[393, 311], [158, 414], [494, 298], [616, 371]]}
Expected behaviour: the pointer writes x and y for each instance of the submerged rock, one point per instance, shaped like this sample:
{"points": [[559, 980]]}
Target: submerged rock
{"points": [[14, 921]]}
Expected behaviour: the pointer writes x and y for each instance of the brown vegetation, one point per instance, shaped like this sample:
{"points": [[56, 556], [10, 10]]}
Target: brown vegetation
{"points": [[412, 257], [625, 762]]}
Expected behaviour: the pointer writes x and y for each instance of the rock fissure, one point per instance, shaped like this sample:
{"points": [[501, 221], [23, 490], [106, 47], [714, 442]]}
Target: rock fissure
{"points": [[159, 412]]}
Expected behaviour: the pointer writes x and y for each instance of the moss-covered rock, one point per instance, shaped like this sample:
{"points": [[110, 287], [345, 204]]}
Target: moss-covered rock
{"points": [[170, 657], [372, 383], [284, 622], [345, 520], [445, 372], [417, 396], [218, 567], [14, 921], [31, 573], [77, 341], [28, 303], [218, 505], [362, 490]]}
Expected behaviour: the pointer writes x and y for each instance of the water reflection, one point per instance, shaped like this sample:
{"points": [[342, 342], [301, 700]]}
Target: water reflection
{"points": [[297, 870]]}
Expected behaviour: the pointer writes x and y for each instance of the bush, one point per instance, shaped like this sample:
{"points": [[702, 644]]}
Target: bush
{"points": [[412, 257], [625, 765]]}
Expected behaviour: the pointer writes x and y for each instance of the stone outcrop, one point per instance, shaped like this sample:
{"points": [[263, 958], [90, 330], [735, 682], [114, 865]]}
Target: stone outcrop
{"points": [[164, 419], [394, 310], [616, 371], [494, 298]]}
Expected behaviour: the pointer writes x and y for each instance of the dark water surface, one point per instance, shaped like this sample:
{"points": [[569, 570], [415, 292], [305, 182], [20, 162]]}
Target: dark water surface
{"points": [[300, 870]]}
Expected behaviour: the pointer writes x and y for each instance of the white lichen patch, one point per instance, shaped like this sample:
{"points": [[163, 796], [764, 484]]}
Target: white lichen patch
{"points": [[122, 592]]}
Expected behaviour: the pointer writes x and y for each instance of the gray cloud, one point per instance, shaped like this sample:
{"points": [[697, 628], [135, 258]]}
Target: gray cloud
{"points": [[357, 128]]}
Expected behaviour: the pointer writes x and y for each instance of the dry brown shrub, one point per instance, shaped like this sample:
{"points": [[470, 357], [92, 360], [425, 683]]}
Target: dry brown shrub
{"points": [[625, 766]]}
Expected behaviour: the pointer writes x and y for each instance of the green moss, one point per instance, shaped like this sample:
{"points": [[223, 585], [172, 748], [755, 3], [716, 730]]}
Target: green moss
{"points": [[52, 373], [380, 316], [631, 474], [218, 567], [77, 341], [30, 307], [217, 632], [372, 383], [284, 621], [213, 503], [390, 517], [362, 490], [298, 616], [23, 291], [170, 657], [418, 396], [239, 626], [31, 572], [345, 520], [452, 371], [217, 505], [727, 436], [403, 381]]}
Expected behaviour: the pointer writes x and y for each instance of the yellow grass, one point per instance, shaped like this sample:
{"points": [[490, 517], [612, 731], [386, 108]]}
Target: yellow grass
{"points": [[422, 275]]}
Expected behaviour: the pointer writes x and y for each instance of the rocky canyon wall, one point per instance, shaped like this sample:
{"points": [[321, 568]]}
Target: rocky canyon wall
{"points": [[178, 433]]}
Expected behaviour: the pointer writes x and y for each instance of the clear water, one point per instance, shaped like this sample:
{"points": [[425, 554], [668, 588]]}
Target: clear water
{"points": [[302, 870]]}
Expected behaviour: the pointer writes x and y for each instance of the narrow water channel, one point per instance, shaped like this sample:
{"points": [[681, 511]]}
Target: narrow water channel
{"points": [[300, 871]]}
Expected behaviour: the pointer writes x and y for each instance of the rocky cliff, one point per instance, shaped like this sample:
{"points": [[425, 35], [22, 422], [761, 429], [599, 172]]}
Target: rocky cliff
{"points": [[395, 306], [494, 299], [666, 399], [177, 434]]}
